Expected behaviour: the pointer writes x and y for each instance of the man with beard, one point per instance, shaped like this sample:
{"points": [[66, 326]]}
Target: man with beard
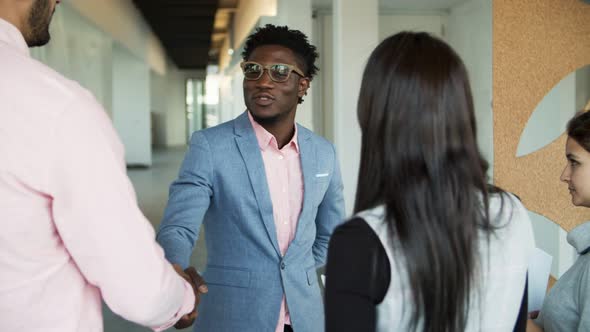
{"points": [[72, 233], [269, 194]]}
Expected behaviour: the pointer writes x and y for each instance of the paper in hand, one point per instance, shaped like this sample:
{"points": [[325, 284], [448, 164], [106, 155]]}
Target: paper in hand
{"points": [[538, 277]]}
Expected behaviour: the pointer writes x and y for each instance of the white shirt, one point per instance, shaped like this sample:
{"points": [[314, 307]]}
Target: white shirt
{"points": [[495, 302]]}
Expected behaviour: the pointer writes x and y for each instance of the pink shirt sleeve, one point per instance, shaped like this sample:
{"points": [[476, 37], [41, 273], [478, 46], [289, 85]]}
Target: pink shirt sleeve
{"points": [[96, 214]]}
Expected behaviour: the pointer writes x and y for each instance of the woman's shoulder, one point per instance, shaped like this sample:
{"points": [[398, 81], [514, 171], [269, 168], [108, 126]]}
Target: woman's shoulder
{"points": [[357, 255], [506, 210], [357, 235], [511, 225], [354, 229]]}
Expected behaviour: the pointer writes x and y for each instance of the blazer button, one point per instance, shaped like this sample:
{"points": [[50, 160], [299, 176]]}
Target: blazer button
{"points": [[282, 265]]}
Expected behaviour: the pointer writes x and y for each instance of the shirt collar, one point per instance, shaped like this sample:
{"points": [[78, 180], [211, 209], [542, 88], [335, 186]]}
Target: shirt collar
{"points": [[579, 238], [265, 138], [12, 36]]}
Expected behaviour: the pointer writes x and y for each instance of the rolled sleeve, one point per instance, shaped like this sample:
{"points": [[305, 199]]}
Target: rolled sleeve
{"points": [[187, 307]]}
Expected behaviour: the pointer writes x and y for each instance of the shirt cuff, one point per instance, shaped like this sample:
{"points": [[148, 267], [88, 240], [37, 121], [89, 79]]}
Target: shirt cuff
{"points": [[188, 305]]}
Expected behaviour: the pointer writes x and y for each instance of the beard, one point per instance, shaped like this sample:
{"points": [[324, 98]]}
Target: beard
{"points": [[266, 120], [38, 21]]}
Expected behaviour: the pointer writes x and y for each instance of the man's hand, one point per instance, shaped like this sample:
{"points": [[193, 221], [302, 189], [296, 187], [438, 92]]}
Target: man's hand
{"points": [[199, 287]]}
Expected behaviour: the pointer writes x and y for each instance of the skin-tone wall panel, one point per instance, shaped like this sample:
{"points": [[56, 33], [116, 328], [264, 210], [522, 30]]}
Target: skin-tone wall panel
{"points": [[536, 44]]}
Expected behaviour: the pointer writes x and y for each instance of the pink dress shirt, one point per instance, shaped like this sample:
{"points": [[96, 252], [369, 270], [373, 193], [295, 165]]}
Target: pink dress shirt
{"points": [[72, 233], [285, 184]]}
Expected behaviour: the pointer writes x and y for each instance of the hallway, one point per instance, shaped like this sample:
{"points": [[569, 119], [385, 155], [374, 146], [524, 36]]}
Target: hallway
{"points": [[151, 186]]}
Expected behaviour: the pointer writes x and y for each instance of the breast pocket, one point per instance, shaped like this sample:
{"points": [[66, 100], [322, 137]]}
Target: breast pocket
{"points": [[321, 184]]}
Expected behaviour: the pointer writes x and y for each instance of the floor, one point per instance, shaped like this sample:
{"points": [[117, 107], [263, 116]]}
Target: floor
{"points": [[151, 185]]}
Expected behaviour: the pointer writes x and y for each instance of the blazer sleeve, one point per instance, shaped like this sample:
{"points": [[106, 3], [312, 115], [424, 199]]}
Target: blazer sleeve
{"points": [[330, 213], [189, 198]]}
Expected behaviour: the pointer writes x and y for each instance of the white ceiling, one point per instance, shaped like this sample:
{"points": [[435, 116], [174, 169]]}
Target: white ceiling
{"points": [[402, 4]]}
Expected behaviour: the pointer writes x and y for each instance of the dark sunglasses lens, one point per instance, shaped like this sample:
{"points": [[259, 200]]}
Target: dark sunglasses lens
{"points": [[252, 71], [280, 73]]}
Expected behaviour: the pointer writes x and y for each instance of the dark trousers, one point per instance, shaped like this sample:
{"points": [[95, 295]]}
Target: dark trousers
{"points": [[288, 328]]}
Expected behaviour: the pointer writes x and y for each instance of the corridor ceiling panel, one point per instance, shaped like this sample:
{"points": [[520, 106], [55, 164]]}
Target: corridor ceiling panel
{"points": [[184, 27]]}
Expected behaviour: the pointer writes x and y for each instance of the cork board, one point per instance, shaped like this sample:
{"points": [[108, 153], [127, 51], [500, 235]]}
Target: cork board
{"points": [[536, 43]]}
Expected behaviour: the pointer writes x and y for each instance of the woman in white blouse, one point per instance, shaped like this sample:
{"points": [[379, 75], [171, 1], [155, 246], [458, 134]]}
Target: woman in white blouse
{"points": [[432, 246]]}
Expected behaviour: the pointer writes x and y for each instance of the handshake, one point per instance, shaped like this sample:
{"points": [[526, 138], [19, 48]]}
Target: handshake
{"points": [[199, 287]]}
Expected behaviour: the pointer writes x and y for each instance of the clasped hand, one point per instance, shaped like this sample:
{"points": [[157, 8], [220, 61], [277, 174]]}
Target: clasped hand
{"points": [[199, 287]]}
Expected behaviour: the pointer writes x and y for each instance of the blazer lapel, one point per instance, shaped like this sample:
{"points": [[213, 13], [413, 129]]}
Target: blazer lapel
{"points": [[307, 154], [250, 151]]}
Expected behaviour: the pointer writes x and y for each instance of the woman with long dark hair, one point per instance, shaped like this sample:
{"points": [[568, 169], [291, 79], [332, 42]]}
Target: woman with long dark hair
{"points": [[432, 246], [567, 306]]}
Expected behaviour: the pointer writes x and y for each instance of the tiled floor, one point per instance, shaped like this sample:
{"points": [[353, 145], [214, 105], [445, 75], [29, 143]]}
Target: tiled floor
{"points": [[151, 186]]}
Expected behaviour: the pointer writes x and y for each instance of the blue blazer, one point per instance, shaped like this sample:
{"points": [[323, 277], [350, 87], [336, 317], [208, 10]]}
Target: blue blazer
{"points": [[222, 185]]}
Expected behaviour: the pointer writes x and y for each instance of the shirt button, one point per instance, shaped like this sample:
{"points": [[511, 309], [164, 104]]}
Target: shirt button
{"points": [[280, 157], [284, 190], [282, 265]]}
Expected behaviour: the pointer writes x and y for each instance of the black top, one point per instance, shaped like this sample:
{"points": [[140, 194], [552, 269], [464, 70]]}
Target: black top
{"points": [[357, 279]]}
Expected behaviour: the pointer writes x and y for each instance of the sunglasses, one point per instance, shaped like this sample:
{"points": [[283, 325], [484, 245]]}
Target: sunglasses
{"points": [[278, 72]]}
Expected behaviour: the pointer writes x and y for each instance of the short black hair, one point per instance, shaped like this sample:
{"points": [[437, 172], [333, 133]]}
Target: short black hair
{"points": [[294, 40]]}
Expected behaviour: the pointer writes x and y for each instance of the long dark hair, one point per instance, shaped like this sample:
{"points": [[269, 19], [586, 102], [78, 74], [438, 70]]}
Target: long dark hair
{"points": [[578, 128], [419, 157]]}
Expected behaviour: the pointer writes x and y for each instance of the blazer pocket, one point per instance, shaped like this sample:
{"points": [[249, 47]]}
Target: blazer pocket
{"points": [[312, 276], [321, 186], [227, 276]]}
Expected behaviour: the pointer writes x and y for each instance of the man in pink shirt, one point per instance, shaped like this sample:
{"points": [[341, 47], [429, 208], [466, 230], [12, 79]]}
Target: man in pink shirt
{"points": [[72, 233], [269, 194]]}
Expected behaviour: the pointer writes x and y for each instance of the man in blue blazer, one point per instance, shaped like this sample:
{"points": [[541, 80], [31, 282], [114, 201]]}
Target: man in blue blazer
{"points": [[269, 194]]}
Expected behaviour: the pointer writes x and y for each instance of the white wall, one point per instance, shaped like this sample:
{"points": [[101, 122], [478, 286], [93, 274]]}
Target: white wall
{"points": [[355, 34], [247, 16], [553, 240], [470, 34], [131, 105], [83, 34], [227, 97], [390, 22], [323, 87], [159, 106], [550, 116], [238, 102], [582, 87], [121, 20], [176, 108], [81, 52]]}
